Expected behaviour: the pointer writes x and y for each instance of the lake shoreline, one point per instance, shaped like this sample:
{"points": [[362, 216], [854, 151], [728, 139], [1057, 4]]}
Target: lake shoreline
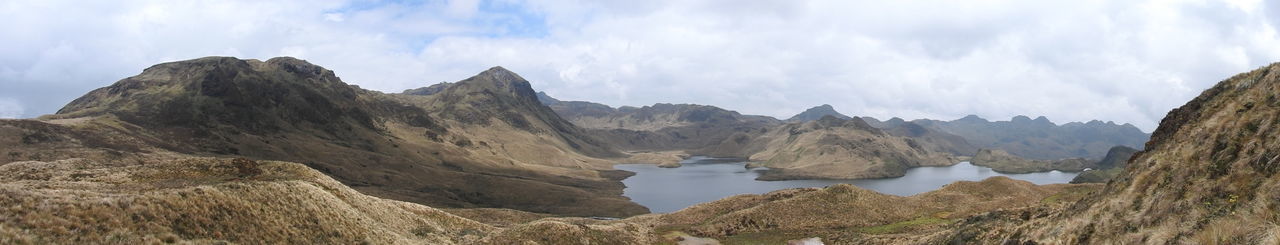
{"points": [[703, 179]]}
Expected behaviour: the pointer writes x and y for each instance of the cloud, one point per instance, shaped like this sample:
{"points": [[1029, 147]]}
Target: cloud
{"points": [[1126, 61]]}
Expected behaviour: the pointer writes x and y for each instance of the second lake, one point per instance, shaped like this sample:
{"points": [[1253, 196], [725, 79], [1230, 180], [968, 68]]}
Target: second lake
{"points": [[703, 179]]}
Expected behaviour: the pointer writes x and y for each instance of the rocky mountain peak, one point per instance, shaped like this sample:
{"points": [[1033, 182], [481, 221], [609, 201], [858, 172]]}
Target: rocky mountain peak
{"points": [[816, 113], [500, 81]]}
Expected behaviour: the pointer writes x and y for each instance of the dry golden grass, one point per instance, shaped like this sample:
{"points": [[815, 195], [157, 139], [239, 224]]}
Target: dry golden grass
{"points": [[499, 217], [555, 231], [206, 199], [1208, 176]]}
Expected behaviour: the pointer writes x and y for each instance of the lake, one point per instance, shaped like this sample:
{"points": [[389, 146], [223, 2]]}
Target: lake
{"points": [[704, 179]]}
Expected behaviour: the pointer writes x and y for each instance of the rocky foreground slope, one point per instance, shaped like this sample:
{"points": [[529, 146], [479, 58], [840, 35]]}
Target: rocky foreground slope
{"points": [[1208, 176]]}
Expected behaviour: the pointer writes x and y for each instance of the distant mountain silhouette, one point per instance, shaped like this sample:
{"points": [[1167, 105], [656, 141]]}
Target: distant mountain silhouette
{"points": [[1035, 138]]}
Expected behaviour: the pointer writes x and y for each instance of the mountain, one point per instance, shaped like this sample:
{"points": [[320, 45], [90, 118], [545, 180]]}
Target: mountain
{"points": [[1110, 166], [1003, 162], [1207, 176], [834, 148], [662, 127], [428, 90], [546, 99], [484, 141], [1040, 138], [817, 112], [934, 140]]}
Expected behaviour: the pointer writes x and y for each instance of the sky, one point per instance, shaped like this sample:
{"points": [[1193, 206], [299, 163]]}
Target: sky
{"points": [[1071, 60]]}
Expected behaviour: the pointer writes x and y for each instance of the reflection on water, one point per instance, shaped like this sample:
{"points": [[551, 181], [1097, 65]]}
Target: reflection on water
{"points": [[704, 179]]}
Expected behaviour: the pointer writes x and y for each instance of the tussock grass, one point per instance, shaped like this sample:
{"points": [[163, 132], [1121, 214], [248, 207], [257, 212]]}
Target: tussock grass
{"points": [[207, 199]]}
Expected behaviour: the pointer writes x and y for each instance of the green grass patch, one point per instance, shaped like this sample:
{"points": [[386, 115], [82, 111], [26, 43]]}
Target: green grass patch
{"points": [[902, 226]]}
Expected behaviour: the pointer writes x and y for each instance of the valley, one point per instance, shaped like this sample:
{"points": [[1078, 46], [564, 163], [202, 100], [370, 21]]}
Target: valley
{"points": [[221, 149]]}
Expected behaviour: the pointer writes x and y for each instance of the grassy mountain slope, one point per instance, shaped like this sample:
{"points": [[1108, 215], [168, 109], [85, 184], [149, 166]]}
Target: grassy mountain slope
{"points": [[481, 142], [1208, 176]]}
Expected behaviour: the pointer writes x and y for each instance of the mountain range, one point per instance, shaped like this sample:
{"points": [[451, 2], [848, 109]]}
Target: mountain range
{"points": [[484, 141], [1036, 138], [221, 149]]}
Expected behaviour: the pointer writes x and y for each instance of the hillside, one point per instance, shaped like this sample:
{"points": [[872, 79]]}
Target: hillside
{"points": [[170, 199], [484, 141], [934, 140], [833, 148], [662, 127], [1208, 176], [1003, 162]]}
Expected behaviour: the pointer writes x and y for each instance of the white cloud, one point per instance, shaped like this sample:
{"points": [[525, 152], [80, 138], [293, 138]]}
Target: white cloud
{"points": [[1125, 61]]}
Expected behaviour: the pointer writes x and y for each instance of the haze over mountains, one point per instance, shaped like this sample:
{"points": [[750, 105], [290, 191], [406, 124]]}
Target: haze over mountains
{"points": [[224, 149]]}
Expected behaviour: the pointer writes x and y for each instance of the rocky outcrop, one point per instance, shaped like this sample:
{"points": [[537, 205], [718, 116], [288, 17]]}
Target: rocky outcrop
{"points": [[1004, 162], [833, 148]]}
